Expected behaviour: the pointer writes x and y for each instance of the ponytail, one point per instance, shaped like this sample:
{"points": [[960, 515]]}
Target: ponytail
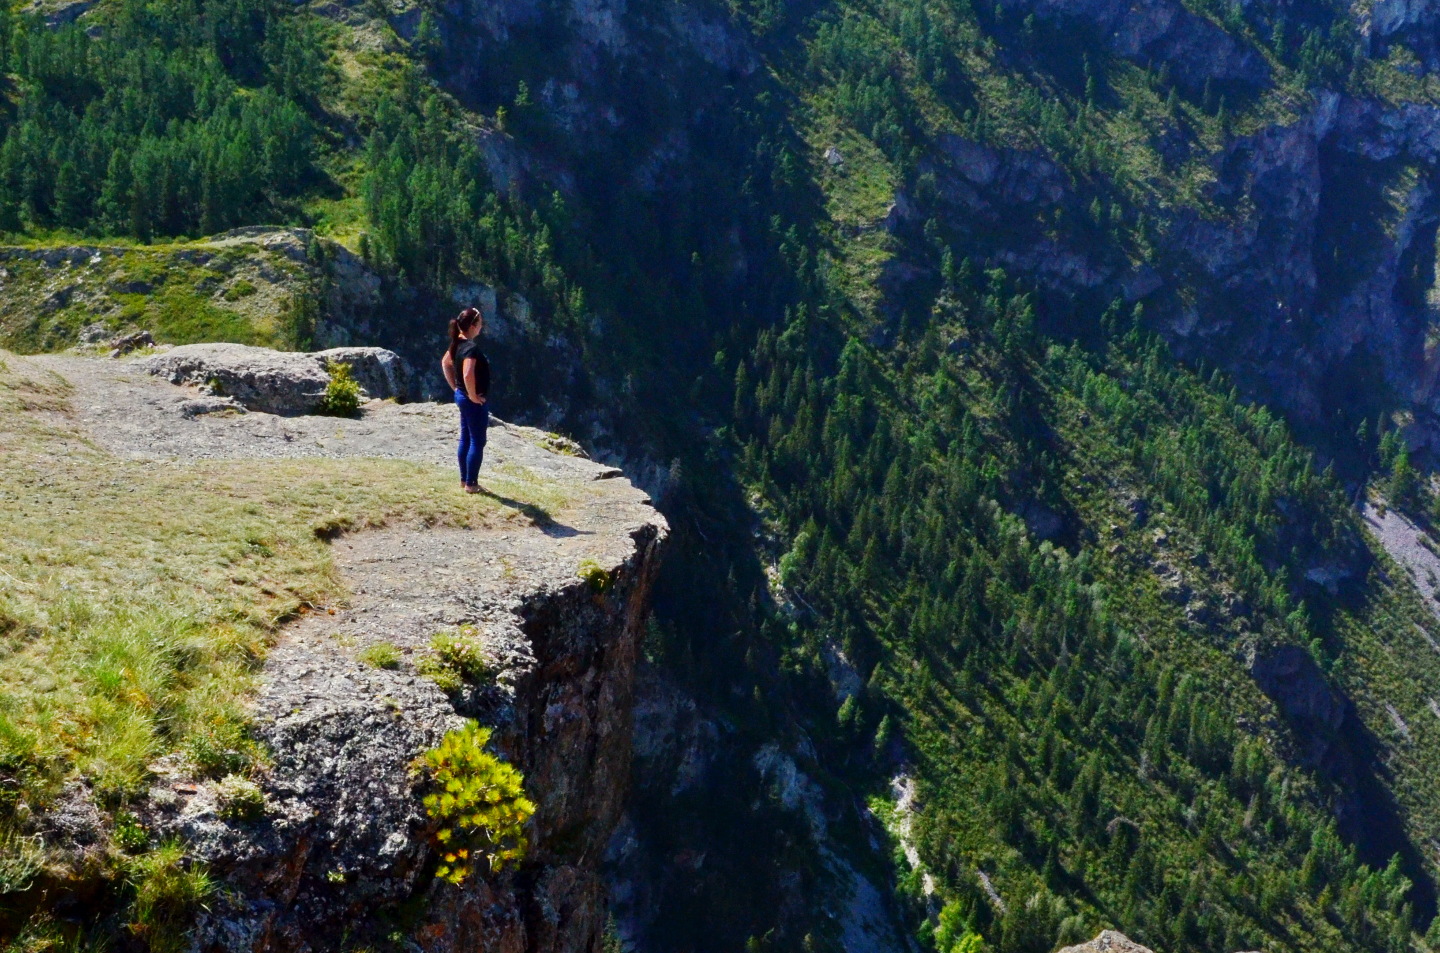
{"points": [[454, 338], [464, 321]]}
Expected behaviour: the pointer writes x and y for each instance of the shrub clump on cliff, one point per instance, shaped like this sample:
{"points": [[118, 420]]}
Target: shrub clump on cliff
{"points": [[479, 801]]}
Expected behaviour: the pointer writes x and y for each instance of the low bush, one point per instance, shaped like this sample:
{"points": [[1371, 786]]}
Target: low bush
{"points": [[342, 394], [595, 577], [129, 834], [456, 659], [240, 289], [239, 798], [479, 801], [167, 891]]}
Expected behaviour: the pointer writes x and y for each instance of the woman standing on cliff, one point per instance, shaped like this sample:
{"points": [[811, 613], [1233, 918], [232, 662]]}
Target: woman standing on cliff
{"points": [[467, 371]]}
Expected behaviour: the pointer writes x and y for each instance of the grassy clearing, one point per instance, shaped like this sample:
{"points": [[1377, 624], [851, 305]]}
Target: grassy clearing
{"points": [[137, 598], [859, 188]]}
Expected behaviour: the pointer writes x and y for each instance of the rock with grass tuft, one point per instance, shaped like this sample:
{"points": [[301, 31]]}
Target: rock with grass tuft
{"points": [[342, 394], [287, 383], [380, 373], [382, 655]]}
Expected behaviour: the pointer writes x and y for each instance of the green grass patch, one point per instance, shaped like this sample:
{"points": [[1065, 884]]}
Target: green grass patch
{"points": [[240, 289], [182, 316], [384, 655], [455, 659], [340, 219]]}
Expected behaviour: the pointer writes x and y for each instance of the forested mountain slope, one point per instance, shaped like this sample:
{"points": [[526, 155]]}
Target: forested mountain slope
{"points": [[945, 332]]}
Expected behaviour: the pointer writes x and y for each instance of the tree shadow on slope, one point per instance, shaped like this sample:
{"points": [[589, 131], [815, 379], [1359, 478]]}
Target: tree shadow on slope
{"points": [[1335, 743]]}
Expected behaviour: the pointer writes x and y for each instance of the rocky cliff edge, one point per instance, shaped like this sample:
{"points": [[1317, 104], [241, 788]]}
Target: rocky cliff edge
{"points": [[341, 851]]}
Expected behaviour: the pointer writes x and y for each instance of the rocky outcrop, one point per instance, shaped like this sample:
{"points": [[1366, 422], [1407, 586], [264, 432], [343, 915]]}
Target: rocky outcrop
{"points": [[252, 276], [281, 382], [344, 844], [554, 599], [1108, 942], [1158, 31], [1385, 22], [382, 374], [1307, 271], [1289, 675], [57, 13]]}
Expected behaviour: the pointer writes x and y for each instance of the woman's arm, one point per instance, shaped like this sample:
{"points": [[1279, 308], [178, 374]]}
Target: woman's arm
{"points": [[470, 386], [447, 364]]}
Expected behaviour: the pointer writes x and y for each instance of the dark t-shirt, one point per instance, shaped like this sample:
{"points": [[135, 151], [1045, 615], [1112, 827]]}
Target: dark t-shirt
{"points": [[471, 349]]}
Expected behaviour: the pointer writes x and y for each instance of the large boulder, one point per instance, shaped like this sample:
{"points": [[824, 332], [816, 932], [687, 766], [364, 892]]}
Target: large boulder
{"points": [[1109, 942], [281, 382], [382, 374]]}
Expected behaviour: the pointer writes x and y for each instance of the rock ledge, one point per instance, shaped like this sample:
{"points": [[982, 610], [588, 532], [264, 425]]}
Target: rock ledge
{"points": [[287, 383]]}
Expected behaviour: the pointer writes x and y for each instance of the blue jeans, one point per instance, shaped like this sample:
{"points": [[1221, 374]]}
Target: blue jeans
{"points": [[474, 418]]}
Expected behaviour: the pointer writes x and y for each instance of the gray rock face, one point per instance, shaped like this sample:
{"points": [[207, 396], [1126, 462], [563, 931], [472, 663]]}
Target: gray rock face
{"points": [[1307, 272], [275, 382], [93, 333], [345, 842], [382, 374], [1108, 942], [59, 13], [281, 382], [1291, 678], [1160, 31], [1409, 21], [125, 343]]}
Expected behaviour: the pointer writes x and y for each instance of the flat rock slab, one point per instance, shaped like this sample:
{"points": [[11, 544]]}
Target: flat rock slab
{"points": [[406, 586], [133, 414]]}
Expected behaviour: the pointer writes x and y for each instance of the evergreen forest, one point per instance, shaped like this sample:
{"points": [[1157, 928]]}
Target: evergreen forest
{"points": [[1016, 378]]}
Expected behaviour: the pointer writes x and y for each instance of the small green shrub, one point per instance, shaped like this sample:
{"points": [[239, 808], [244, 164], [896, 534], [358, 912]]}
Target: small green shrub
{"points": [[447, 680], [383, 655], [240, 289], [342, 394], [239, 798], [479, 801], [167, 891], [463, 653], [129, 834], [221, 748], [455, 659], [596, 577]]}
